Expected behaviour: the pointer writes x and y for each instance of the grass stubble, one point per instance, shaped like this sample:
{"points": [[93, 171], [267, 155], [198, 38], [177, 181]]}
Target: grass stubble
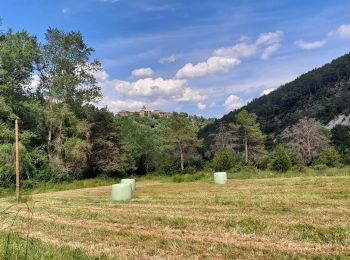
{"points": [[267, 218]]}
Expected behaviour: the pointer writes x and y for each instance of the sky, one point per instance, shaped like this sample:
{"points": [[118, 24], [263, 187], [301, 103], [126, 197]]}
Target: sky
{"points": [[202, 57]]}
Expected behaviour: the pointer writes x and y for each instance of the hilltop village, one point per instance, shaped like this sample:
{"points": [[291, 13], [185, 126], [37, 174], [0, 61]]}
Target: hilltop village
{"points": [[145, 112]]}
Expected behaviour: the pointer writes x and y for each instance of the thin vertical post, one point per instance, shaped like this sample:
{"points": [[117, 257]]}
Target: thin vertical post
{"points": [[17, 161]]}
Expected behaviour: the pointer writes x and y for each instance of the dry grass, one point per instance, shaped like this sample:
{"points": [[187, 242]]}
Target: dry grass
{"points": [[276, 218]]}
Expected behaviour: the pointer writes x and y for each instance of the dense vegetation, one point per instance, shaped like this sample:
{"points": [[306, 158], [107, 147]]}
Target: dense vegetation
{"points": [[322, 94], [64, 136]]}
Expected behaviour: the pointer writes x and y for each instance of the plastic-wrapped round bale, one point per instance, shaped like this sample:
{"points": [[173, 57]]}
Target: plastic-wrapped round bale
{"points": [[220, 178], [121, 191], [131, 181]]}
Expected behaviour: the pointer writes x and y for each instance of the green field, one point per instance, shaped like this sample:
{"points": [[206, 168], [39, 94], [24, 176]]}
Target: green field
{"points": [[265, 218]]}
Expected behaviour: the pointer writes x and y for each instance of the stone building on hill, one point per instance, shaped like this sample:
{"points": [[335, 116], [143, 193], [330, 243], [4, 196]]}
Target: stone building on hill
{"points": [[145, 112]]}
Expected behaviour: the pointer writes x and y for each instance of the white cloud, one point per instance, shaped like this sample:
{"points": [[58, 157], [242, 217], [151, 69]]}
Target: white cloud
{"points": [[149, 87], [237, 51], [234, 102], [201, 106], [101, 75], [309, 45], [117, 105], [190, 95], [225, 58], [269, 38], [270, 42], [269, 51], [212, 65], [149, 91], [129, 105], [342, 31], [142, 73], [169, 59], [66, 10], [267, 91], [243, 38]]}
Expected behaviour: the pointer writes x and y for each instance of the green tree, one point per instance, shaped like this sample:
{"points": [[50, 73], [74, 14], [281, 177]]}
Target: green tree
{"points": [[341, 137], [106, 153], [18, 54], [223, 160], [247, 135], [66, 80], [280, 159], [329, 156], [144, 143], [181, 136]]}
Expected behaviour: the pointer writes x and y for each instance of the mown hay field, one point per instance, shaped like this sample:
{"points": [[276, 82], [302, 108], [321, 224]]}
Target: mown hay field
{"points": [[271, 218]]}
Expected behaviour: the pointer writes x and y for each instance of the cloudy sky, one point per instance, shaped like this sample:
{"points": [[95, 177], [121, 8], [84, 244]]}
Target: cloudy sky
{"points": [[199, 56]]}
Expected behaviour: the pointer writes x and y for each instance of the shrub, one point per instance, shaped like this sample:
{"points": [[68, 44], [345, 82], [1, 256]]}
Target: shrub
{"points": [[188, 177], [264, 163], [346, 157], [75, 155], [7, 165], [329, 156], [189, 170], [298, 168], [281, 160], [319, 167], [51, 172], [223, 160]]}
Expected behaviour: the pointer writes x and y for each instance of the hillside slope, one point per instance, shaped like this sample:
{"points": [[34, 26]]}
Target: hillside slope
{"points": [[322, 93]]}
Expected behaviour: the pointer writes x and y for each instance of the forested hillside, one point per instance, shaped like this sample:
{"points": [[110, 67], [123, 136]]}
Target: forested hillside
{"points": [[322, 94], [62, 136], [50, 88]]}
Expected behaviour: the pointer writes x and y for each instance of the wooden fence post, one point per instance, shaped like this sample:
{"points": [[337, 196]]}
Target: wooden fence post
{"points": [[17, 161]]}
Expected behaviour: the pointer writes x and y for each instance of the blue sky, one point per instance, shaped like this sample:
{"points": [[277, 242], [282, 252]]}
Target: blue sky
{"points": [[203, 57]]}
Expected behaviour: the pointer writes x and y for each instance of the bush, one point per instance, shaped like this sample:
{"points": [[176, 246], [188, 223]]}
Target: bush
{"points": [[264, 163], [319, 167], [52, 172], [299, 168], [329, 156], [223, 160], [190, 170], [281, 160], [346, 157], [188, 177]]}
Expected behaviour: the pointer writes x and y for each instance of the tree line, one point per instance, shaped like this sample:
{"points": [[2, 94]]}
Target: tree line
{"points": [[65, 136], [306, 143]]}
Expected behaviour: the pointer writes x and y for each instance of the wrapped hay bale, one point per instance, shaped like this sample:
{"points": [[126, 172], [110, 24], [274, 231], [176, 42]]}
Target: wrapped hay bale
{"points": [[220, 178], [131, 181], [121, 192]]}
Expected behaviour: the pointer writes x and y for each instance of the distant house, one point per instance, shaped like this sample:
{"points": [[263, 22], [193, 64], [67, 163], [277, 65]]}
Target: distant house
{"points": [[161, 113], [145, 112]]}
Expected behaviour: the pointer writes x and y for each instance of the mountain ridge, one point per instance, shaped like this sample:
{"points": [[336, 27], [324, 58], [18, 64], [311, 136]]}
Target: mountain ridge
{"points": [[322, 93]]}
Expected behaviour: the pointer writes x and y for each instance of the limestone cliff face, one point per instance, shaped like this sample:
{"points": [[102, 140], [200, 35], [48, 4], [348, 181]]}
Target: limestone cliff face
{"points": [[339, 120]]}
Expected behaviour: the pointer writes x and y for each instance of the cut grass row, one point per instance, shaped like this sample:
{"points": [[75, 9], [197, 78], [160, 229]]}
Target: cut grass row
{"points": [[178, 178], [274, 218]]}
